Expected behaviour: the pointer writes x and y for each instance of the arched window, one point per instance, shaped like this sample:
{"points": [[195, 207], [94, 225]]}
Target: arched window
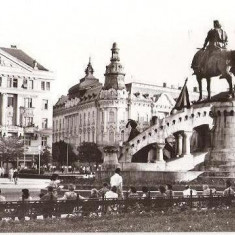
{"points": [[111, 116]]}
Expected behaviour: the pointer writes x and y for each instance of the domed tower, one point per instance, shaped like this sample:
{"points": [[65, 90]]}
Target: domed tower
{"points": [[113, 104], [114, 76]]}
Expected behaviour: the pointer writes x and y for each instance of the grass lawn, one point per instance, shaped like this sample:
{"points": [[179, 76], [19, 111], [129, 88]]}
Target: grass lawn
{"points": [[186, 221]]}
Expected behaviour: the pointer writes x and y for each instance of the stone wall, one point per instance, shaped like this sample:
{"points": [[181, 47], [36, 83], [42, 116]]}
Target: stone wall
{"points": [[149, 178]]}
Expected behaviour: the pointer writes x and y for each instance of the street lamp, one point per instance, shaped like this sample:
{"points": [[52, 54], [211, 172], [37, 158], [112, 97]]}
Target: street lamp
{"points": [[39, 159]]}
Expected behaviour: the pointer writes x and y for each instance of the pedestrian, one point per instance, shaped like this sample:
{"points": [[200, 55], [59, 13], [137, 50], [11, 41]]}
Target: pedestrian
{"points": [[48, 208], [145, 192], [111, 194], [116, 180], [103, 190], [3, 171], [188, 191], [228, 191], [162, 191], [10, 174], [132, 193], [25, 195], [15, 176], [71, 195], [169, 191]]}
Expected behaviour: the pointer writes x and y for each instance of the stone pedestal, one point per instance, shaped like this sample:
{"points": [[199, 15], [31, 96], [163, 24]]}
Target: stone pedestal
{"points": [[221, 157], [110, 158]]}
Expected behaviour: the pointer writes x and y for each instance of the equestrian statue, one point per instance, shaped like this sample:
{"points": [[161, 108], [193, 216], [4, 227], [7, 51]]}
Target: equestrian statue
{"points": [[214, 60]]}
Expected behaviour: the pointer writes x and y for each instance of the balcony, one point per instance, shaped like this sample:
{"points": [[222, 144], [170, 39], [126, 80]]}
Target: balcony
{"points": [[30, 129], [27, 112]]}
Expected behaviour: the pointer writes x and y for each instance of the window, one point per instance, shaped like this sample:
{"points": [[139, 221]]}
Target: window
{"points": [[111, 136], [84, 119], [9, 121], [88, 118], [27, 140], [48, 85], [45, 123], [44, 141], [45, 104], [0, 81], [28, 102], [43, 85], [30, 84], [60, 125], [102, 116], [80, 119], [9, 82], [10, 101], [28, 121], [122, 135], [15, 82], [111, 116], [25, 84], [88, 136], [93, 136]]}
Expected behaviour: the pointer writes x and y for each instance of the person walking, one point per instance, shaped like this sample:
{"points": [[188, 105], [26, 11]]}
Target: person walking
{"points": [[15, 176], [116, 180], [10, 174]]}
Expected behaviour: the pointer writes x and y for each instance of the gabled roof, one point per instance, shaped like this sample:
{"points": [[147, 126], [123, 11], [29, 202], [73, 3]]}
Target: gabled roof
{"points": [[22, 56]]}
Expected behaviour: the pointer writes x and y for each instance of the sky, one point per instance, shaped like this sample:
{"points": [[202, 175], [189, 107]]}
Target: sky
{"points": [[157, 39]]}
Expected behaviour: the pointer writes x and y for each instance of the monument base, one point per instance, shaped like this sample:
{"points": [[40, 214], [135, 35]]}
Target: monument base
{"points": [[222, 154]]}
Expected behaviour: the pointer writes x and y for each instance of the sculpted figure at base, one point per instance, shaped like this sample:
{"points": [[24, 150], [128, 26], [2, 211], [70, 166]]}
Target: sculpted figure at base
{"points": [[134, 132], [214, 60]]}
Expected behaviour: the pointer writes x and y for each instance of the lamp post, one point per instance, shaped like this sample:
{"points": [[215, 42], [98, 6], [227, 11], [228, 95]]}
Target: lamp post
{"points": [[39, 159], [67, 157]]}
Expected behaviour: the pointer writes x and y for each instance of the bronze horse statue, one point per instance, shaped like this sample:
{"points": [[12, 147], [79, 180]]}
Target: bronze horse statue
{"points": [[208, 64]]}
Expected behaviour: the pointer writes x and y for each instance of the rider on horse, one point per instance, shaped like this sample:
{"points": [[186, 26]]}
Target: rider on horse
{"points": [[217, 39]]}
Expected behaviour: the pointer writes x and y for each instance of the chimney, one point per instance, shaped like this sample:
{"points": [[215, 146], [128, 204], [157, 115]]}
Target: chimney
{"points": [[195, 89], [164, 84], [13, 47], [179, 88]]}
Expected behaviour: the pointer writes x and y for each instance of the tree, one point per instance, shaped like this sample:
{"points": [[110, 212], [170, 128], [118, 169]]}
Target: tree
{"points": [[11, 148], [89, 152], [59, 153], [45, 156]]}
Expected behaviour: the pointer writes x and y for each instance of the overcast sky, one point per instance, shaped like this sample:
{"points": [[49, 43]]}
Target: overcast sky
{"points": [[157, 39]]}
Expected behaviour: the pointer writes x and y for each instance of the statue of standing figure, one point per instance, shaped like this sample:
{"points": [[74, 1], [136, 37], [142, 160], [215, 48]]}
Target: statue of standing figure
{"points": [[214, 60]]}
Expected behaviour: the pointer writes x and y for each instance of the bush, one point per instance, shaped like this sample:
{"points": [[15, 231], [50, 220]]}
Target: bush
{"points": [[31, 171]]}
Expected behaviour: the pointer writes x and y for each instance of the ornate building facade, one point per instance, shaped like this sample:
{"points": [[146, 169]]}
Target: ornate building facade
{"points": [[92, 112], [26, 105]]}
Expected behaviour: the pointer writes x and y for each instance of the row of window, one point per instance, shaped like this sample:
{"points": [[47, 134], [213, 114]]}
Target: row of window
{"points": [[27, 121], [28, 102], [90, 137], [28, 139], [27, 84]]}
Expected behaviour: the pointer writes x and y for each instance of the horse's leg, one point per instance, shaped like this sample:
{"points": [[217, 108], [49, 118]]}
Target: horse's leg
{"points": [[208, 88], [199, 80], [230, 83]]}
